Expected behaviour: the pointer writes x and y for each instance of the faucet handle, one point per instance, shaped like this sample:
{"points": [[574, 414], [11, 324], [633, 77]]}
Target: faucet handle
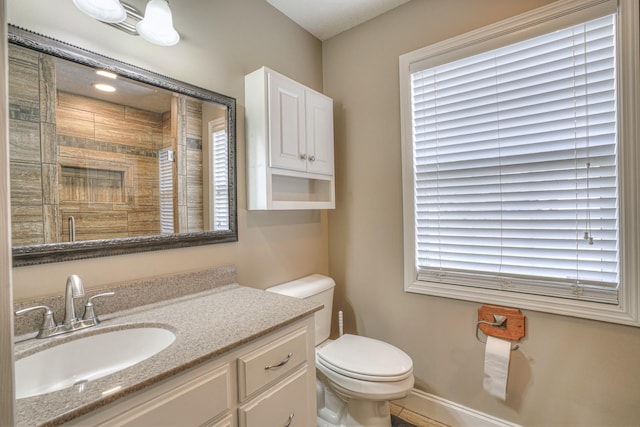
{"points": [[48, 321], [89, 312]]}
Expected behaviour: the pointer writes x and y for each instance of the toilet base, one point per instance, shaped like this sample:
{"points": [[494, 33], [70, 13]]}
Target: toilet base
{"points": [[368, 413], [334, 411]]}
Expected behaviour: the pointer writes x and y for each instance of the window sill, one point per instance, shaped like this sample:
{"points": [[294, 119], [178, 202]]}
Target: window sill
{"points": [[621, 313]]}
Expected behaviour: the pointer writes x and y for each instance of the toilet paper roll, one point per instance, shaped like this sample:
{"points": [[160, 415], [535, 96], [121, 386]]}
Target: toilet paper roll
{"points": [[497, 355]]}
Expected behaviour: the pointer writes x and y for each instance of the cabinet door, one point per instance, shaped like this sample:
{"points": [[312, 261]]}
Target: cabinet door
{"points": [[319, 123], [286, 124], [192, 403], [286, 404]]}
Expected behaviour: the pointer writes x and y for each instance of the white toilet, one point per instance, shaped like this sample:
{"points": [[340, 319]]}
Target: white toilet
{"points": [[356, 376]]}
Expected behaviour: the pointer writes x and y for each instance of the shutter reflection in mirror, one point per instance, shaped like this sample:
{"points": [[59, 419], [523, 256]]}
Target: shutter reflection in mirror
{"points": [[165, 160]]}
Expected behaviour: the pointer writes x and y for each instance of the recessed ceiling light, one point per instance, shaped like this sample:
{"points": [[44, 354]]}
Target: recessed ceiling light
{"points": [[108, 74], [103, 87]]}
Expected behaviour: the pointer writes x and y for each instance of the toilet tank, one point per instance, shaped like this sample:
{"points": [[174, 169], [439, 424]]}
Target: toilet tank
{"points": [[316, 288]]}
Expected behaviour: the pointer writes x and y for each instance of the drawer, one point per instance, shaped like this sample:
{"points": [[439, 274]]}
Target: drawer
{"points": [[194, 402], [271, 362], [286, 404]]}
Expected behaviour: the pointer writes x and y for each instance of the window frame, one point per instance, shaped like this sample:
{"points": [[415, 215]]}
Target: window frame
{"points": [[528, 25]]}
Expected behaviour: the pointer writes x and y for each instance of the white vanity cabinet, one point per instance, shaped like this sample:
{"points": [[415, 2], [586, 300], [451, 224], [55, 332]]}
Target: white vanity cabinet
{"points": [[268, 381], [289, 134]]}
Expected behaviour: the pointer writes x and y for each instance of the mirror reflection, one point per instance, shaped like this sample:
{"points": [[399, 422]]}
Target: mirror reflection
{"points": [[95, 155]]}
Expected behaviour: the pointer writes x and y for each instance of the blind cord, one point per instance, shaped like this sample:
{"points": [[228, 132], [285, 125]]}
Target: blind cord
{"points": [[587, 234]]}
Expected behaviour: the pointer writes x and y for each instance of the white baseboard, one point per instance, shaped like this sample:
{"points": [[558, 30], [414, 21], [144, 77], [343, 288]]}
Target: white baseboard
{"points": [[447, 412]]}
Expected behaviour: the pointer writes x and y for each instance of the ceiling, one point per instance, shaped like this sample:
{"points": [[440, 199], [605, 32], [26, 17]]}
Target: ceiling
{"points": [[322, 18], [327, 18], [79, 79]]}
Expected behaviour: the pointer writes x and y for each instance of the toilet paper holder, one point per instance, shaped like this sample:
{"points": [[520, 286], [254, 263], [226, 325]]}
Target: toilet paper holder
{"points": [[501, 322]]}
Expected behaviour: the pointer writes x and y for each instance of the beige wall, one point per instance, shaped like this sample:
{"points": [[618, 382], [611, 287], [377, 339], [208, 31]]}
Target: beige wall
{"points": [[570, 372], [221, 42]]}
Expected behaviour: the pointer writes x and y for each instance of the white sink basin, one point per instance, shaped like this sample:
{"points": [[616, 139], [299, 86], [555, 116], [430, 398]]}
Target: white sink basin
{"points": [[79, 361]]}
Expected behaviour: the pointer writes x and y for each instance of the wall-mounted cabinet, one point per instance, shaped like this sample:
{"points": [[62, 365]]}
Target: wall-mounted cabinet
{"points": [[289, 133]]}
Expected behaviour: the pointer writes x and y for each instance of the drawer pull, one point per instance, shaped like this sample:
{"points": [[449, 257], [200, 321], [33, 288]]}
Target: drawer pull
{"points": [[284, 362], [289, 420]]}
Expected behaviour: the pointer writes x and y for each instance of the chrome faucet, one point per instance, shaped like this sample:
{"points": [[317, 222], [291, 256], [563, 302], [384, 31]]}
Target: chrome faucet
{"points": [[74, 289]]}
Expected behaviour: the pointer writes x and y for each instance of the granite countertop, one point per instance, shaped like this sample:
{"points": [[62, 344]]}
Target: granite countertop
{"points": [[206, 324]]}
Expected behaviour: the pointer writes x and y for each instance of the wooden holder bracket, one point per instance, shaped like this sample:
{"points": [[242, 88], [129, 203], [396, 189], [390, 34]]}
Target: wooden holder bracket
{"points": [[513, 328]]}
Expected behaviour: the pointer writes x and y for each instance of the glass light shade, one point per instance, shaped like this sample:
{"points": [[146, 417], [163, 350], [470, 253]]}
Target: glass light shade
{"points": [[110, 11], [157, 25]]}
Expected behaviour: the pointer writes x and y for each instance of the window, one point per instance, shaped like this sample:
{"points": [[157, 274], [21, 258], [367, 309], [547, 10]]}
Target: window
{"points": [[165, 168], [220, 180], [513, 183]]}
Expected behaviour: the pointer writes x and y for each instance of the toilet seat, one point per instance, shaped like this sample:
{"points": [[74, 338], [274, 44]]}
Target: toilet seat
{"points": [[365, 359], [349, 388]]}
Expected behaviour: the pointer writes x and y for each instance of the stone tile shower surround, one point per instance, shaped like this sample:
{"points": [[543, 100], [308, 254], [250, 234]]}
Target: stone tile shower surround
{"points": [[32, 147], [108, 168], [128, 295]]}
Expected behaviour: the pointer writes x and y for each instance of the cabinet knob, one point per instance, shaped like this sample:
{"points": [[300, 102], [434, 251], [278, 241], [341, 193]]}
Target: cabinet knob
{"points": [[303, 156], [312, 158]]}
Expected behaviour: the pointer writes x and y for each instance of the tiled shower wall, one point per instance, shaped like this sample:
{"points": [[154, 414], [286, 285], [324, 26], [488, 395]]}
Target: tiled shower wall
{"points": [[94, 160], [190, 178], [114, 148], [34, 215]]}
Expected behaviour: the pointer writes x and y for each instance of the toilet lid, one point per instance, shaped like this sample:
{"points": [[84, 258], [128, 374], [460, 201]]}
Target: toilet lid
{"points": [[365, 358]]}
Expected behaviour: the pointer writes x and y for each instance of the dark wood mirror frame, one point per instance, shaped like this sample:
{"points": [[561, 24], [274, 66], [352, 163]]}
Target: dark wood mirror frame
{"points": [[57, 252]]}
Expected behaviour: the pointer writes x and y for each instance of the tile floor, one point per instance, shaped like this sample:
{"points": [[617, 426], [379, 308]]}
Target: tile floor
{"points": [[402, 417]]}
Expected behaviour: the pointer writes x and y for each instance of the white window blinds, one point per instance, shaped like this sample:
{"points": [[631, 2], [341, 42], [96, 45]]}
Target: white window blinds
{"points": [[165, 166], [220, 180], [515, 166]]}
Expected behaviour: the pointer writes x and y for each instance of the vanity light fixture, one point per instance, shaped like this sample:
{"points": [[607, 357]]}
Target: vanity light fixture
{"points": [[110, 11], [104, 87], [157, 25]]}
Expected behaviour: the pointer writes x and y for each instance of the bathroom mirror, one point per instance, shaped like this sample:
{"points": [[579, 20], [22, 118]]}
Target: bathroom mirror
{"points": [[147, 164]]}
